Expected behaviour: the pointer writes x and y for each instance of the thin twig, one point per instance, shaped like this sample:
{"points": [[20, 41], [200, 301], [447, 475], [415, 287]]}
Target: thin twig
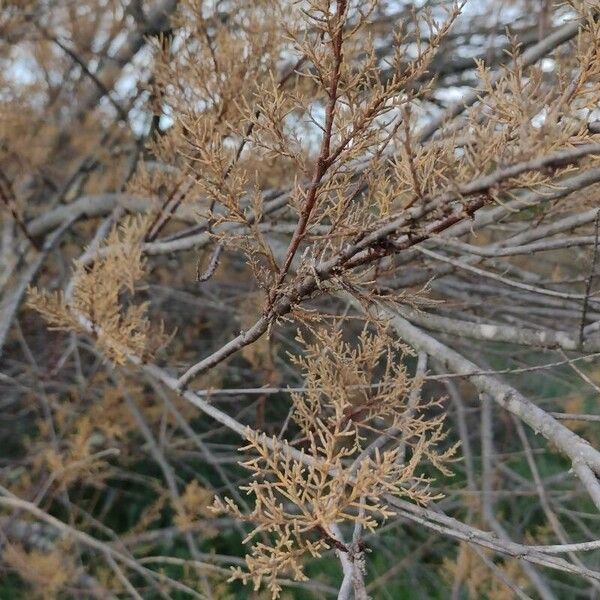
{"points": [[588, 284]]}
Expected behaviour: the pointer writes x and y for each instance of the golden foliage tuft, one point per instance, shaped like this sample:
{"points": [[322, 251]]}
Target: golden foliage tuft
{"points": [[480, 581], [355, 398], [195, 504], [47, 572], [120, 327]]}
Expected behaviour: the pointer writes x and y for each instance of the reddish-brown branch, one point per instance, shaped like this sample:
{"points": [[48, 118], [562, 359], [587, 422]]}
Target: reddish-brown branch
{"points": [[386, 240], [324, 159]]}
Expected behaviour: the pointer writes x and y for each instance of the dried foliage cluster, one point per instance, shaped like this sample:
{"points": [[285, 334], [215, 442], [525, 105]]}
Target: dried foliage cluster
{"points": [[356, 241], [346, 476], [95, 296]]}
